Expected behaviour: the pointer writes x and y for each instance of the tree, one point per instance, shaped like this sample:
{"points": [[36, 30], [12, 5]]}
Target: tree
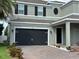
{"points": [[5, 8]]}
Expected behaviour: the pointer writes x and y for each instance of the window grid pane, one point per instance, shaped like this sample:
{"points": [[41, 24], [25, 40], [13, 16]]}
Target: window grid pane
{"points": [[40, 11], [20, 8]]}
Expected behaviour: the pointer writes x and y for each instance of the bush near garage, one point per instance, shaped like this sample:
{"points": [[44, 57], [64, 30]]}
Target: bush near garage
{"points": [[15, 52]]}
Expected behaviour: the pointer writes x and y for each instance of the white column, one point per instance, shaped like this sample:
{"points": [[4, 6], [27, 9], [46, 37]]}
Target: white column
{"points": [[12, 40], [67, 33], [9, 32]]}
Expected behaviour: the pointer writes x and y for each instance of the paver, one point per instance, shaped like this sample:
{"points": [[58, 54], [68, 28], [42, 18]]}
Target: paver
{"points": [[46, 52]]}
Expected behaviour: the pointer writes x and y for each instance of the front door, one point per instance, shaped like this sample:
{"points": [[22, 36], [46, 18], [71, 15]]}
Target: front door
{"points": [[59, 35]]}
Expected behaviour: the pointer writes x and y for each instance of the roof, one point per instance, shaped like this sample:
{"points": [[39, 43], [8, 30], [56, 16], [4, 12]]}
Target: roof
{"points": [[34, 1]]}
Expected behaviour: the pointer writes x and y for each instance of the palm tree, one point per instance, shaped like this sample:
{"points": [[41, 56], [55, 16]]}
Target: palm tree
{"points": [[5, 8]]}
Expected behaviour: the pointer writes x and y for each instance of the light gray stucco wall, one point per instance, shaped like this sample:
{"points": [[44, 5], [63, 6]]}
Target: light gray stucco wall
{"points": [[31, 10], [59, 10], [49, 11], [67, 9], [76, 7], [74, 34], [51, 35]]}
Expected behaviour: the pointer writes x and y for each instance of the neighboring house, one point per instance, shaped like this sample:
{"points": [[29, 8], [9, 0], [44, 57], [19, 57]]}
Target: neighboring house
{"points": [[45, 24]]}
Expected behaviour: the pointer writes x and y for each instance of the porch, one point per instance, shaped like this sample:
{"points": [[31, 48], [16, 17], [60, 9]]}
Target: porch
{"points": [[65, 32]]}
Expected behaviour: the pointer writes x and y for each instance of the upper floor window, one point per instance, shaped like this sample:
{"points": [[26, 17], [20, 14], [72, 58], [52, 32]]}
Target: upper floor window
{"points": [[21, 9], [40, 11]]}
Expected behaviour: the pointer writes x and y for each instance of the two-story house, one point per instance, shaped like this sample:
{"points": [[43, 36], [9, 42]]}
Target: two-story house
{"points": [[35, 22]]}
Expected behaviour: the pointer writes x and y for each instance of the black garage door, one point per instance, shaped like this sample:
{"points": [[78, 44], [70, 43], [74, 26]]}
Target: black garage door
{"points": [[31, 37]]}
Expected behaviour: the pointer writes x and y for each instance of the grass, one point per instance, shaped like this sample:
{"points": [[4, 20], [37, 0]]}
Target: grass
{"points": [[3, 53]]}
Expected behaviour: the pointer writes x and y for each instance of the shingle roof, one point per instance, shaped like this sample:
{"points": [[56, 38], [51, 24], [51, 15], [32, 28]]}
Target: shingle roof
{"points": [[33, 1]]}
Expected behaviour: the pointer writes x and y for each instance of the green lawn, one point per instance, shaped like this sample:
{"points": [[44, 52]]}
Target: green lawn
{"points": [[4, 54]]}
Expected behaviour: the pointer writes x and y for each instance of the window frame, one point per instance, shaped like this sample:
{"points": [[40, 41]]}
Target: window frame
{"points": [[40, 10], [21, 8]]}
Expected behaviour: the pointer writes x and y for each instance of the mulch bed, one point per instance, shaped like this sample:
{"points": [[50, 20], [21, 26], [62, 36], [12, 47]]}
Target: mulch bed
{"points": [[75, 49]]}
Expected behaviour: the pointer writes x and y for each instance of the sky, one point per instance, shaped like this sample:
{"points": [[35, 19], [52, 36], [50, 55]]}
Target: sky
{"points": [[59, 0]]}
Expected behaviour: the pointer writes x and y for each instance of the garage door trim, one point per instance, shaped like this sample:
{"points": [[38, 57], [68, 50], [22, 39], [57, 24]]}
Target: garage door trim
{"points": [[31, 28]]}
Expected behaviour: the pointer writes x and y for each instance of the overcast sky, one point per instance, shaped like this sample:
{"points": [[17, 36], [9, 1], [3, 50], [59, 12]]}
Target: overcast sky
{"points": [[59, 0]]}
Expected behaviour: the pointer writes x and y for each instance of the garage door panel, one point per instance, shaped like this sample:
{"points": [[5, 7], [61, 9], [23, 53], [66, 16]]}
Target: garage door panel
{"points": [[31, 37]]}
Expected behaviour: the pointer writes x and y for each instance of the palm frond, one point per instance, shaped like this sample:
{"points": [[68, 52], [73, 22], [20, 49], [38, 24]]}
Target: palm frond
{"points": [[6, 8]]}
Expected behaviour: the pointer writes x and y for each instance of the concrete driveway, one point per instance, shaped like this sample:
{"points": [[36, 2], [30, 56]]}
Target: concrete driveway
{"points": [[45, 52]]}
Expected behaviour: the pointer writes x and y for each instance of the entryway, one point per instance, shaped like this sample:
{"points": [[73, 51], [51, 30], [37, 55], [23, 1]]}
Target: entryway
{"points": [[59, 36]]}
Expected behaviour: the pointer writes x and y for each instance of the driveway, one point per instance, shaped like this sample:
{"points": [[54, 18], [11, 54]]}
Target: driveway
{"points": [[45, 52]]}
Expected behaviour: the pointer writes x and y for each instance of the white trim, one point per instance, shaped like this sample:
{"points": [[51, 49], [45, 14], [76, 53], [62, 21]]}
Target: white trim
{"points": [[32, 28], [22, 16], [68, 43], [65, 18], [75, 14], [56, 2], [55, 37], [14, 33], [30, 22], [36, 16], [59, 21], [48, 37], [62, 36], [65, 4], [61, 48], [33, 3], [68, 3]]}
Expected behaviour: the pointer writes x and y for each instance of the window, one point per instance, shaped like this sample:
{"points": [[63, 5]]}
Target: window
{"points": [[55, 11], [40, 11], [20, 8]]}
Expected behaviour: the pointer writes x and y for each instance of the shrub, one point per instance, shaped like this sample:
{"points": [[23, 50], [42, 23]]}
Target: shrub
{"points": [[68, 48], [5, 43], [15, 52], [12, 51], [10, 46], [58, 46]]}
